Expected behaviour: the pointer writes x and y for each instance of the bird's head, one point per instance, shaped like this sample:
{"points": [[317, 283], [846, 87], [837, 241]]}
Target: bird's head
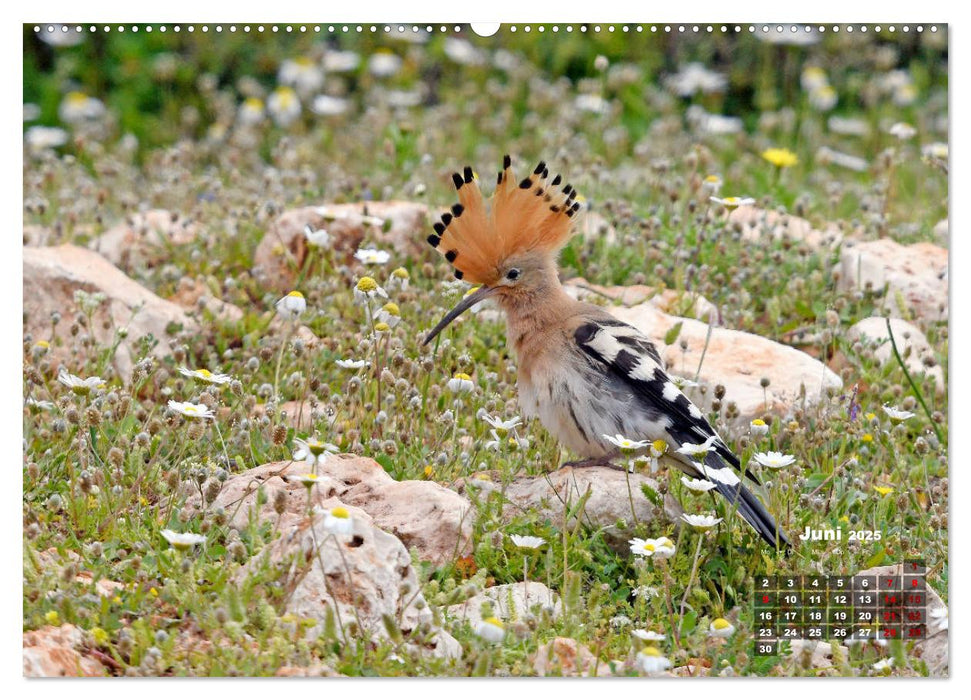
{"points": [[508, 245]]}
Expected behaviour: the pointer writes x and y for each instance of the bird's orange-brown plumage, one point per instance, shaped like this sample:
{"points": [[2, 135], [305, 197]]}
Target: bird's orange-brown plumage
{"points": [[532, 214]]}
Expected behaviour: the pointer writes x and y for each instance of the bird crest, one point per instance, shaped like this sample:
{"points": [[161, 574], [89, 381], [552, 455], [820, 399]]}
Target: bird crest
{"points": [[532, 214]]}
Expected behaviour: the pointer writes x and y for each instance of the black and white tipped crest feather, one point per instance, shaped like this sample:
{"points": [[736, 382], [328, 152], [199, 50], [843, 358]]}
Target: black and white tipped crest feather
{"points": [[629, 357]]}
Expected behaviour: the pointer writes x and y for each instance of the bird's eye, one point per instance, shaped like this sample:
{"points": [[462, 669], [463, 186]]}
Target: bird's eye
{"points": [[513, 274]]}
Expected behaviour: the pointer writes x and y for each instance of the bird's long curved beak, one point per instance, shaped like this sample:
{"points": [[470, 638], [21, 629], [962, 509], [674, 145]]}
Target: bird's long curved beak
{"points": [[468, 302]]}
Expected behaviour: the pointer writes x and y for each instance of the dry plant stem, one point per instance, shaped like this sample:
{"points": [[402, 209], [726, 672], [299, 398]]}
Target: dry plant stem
{"points": [[279, 359], [691, 576]]}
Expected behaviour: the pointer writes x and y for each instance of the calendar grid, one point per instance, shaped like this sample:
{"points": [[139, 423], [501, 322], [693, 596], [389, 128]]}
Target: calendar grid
{"points": [[822, 607]]}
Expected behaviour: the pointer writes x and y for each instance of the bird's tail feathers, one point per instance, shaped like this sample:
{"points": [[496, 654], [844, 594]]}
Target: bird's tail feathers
{"points": [[755, 514]]}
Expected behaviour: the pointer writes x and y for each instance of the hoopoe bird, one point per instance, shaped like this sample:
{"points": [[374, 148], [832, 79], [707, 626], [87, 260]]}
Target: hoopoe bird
{"points": [[584, 374]]}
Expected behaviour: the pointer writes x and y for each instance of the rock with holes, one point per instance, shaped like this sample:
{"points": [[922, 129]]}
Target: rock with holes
{"points": [[395, 225], [430, 518], [738, 361], [614, 501], [56, 652], [144, 238], [757, 225], [509, 601], [912, 345], [564, 656], [915, 276], [355, 585], [51, 278]]}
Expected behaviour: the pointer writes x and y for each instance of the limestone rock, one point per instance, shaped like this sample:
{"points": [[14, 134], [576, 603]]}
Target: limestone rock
{"points": [[510, 601], [755, 224], [284, 249], [144, 238], [667, 300], [361, 579], [564, 656], [193, 295], [435, 521], [911, 344], [53, 275], [737, 360], [610, 501], [55, 652], [915, 276]]}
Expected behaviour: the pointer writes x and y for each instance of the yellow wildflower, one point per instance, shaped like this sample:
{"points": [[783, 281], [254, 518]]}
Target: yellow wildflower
{"points": [[780, 157]]}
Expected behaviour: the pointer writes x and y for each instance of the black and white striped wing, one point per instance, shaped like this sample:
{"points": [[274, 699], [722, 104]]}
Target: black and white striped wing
{"points": [[626, 354], [630, 359]]}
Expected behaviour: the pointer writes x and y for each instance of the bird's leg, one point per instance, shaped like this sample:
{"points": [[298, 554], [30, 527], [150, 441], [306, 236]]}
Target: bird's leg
{"points": [[602, 461]]}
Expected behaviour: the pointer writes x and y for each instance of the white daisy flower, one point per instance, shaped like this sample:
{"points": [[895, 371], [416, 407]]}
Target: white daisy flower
{"points": [[491, 630], [774, 460], [883, 665], [329, 106], [284, 106], [372, 256], [81, 387], [384, 64], [648, 635], [42, 138], [291, 306], [662, 548], [191, 410], [701, 522], [316, 237], [460, 383], [733, 202], [758, 427], [251, 112], [389, 314], [399, 279], [720, 627], [313, 451], [936, 150], [77, 107], [712, 183], [367, 289], [701, 450], [182, 540], [341, 61], [682, 382], [502, 427], [527, 541], [651, 662], [306, 480], [338, 521], [902, 131], [302, 74], [897, 415], [352, 364], [938, 619], [205, 376], [41, 405], [697, 485], [626, 444]]}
